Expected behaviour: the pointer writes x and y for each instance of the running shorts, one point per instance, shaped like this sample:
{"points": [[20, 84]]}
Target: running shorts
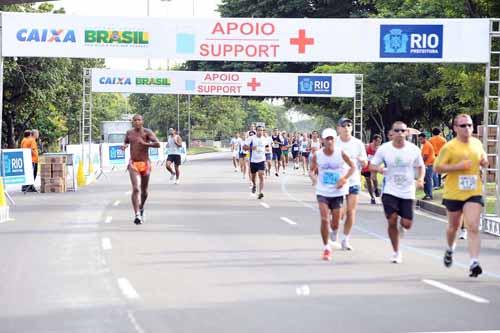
{"points": [[141, 167], [176, 159], [403, 207], [331, 202], [456, 205]]}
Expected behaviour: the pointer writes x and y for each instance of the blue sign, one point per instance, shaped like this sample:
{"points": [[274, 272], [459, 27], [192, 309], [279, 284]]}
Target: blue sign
{"points": [[13, 166], [154, 154], [116, 155], [314, 85], [411, 41]]}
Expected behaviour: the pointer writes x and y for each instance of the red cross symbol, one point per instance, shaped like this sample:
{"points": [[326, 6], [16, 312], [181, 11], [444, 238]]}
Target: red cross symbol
{"points": [[302, 41], [254, 84]]}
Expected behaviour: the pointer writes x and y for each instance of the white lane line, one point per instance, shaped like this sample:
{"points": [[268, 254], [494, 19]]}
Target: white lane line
{"points": [[263, 204], [128, 193], [108, 219], [287, 220], [303, 290], [106, 244], [116, 203], [127, 288], [134, 323], [455, 291]]}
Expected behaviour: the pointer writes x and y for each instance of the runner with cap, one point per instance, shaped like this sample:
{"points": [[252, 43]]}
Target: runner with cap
{"points": [[140, 140], [398, 160], [328, 174], [356, 151]]}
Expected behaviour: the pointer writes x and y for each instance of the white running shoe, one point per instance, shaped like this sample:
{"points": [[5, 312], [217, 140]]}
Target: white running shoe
{"points": [[463, 234], [177, 182], [172, 176], [235, 170], [346, 246], [397, 258]]}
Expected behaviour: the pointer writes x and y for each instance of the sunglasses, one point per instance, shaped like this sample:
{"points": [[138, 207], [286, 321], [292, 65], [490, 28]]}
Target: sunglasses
{"points": [[347, 125], [465, 125], [399, 130]]}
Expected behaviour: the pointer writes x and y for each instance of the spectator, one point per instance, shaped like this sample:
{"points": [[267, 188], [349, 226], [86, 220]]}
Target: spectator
{"points": [[29, 142], [428, 156], [437, 141]]}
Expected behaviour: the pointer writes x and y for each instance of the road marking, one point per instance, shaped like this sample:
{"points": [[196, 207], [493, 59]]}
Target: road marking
{"points": [[116, 203], [108, 219], [287, 220], [106, 243], [127, 289], [132, 319], [303, 290], [128, 193], [496, 331], [263, 204], [455, 291]]}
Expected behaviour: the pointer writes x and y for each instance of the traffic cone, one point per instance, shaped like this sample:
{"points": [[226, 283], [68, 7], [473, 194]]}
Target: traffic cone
{"points": [[80, 177], [3, 201]]}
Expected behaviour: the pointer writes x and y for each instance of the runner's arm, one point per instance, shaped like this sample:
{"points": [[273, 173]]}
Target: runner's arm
{"points": [[351, 165], [125, 142], [153, 140], [441, 164], [313, 170]]}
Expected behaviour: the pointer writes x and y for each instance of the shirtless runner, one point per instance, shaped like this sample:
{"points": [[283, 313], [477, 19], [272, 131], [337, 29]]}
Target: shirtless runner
{"points": [[139, 167]]}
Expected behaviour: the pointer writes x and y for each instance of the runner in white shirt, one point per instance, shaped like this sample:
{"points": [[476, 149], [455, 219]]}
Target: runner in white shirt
{"points": [[234, 150], [305, 150], [328, 173], [256, 145], [356, 151], [401, 159]]}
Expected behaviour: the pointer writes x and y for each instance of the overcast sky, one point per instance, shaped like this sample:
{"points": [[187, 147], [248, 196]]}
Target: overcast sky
{"points": [[158, 8]]}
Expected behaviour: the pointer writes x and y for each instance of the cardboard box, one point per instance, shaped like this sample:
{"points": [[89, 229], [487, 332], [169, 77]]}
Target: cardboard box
{"points": [[52, 159], [49, 188], [58, 167], [59, 174]]}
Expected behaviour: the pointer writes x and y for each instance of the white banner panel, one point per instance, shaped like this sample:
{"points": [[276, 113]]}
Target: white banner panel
{"points": [[17, 168], [247, 39], [223, 83]]}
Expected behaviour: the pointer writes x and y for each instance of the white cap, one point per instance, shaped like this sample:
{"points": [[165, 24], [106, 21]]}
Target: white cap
{"points": [[328, 132]]}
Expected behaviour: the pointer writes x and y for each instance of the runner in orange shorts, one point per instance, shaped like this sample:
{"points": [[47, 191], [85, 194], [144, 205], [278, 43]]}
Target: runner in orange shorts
{"points": [[139, 168]]}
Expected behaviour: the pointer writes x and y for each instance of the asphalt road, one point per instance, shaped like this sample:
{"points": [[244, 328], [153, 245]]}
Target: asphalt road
{"points": [[213, 258]]}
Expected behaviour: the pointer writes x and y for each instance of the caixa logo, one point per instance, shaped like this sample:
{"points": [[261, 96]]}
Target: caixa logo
{"points": [[411, 41], [115, 80], [46, 35], [314, 85]]}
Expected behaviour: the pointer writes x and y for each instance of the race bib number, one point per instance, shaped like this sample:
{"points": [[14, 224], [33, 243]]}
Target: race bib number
{"points": [[400, 180], [330, 178], [467, 183], [295, 148]]}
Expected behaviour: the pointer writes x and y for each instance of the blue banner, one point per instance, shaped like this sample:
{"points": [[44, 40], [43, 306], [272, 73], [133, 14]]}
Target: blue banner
{"points": [[116, 155], [13, 164], [411, 41]]}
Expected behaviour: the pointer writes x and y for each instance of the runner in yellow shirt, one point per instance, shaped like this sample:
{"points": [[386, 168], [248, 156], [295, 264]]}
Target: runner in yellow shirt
{"points": [[461, 159]]}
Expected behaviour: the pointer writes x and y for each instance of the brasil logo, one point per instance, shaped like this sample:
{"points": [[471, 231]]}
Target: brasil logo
{"points": [[153, 81], [109, 37]]}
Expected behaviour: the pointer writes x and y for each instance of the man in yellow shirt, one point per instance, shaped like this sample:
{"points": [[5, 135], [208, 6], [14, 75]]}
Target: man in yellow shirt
{"points": [[428, 156], [461, 159]]}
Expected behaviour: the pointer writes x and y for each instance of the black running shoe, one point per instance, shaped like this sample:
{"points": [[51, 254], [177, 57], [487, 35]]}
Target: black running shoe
{"points": [[475, 269], [138, 220], [254, 189], [277, 174], [142, 215], [377, 192], [373, 202], [448, 258], [261, 195]]}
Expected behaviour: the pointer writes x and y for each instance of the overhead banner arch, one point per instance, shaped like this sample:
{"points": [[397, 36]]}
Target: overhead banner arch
{"points": [[247, 39], [224, 83]]}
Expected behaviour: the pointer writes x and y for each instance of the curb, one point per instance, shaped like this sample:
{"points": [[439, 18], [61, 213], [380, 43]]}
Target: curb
{"points": [[432, 207]]}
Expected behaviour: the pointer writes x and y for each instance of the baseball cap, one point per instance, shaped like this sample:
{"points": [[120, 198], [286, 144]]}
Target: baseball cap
{"points": [[344, 120], [328, 132]]}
